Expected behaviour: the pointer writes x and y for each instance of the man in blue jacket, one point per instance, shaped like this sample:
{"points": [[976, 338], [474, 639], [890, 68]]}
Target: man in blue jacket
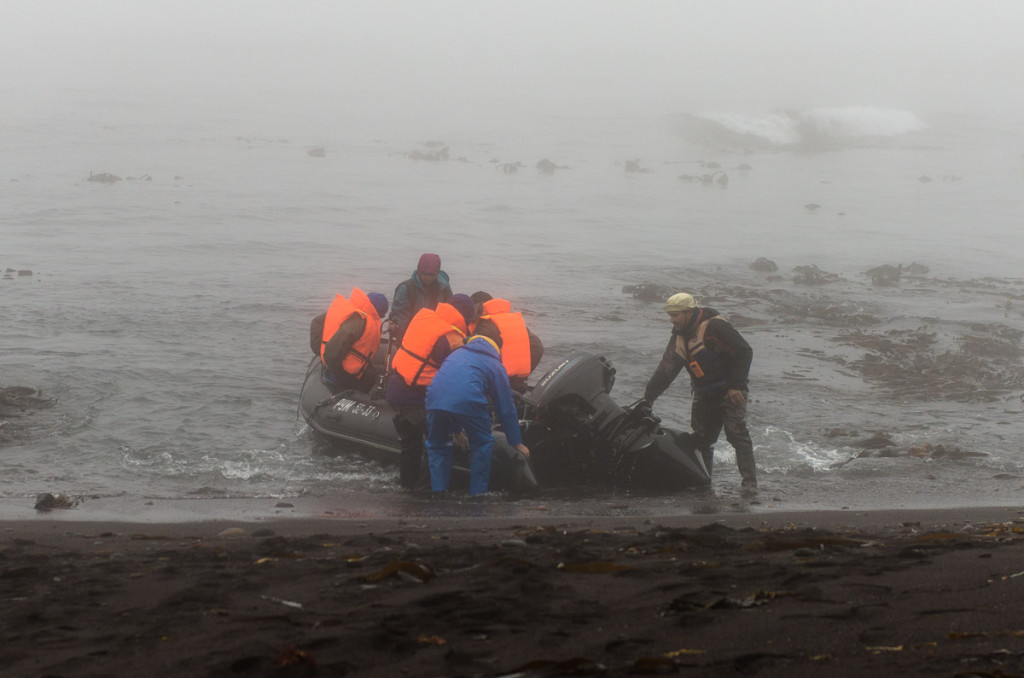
{"points": [[457, 400]]}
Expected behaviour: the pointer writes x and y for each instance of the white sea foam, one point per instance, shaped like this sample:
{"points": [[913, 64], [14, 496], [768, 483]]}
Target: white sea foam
{"points": [[796, 454]]}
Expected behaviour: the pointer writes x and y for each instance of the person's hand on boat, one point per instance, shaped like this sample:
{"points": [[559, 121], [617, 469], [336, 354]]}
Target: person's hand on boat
{"points": [[524, 449]]}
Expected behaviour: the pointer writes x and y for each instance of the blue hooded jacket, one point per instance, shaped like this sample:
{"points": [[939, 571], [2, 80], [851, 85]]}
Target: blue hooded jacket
{"points": [[471, 377]]}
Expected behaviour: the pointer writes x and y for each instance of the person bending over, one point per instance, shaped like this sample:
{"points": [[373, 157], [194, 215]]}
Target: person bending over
{"points": [[457, 400], [346, 337]]}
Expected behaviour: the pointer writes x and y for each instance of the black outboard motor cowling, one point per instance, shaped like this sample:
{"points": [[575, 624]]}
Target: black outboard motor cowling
{"points": [[627, 446]]}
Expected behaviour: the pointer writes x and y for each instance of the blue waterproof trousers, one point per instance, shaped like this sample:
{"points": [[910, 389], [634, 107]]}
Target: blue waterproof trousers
{"points": [[441, 425]]}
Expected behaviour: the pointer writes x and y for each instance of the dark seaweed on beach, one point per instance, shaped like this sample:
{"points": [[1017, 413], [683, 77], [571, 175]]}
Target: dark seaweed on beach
{"points": [[527, 601]]}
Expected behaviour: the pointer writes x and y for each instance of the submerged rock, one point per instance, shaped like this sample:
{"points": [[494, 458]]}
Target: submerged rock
{"points": [[885, 275], [48, 502], [764, 265], [103, 178], [982, 364], [634, 167], [877, 441], [812, 275], [648, 291], [509, 167], [545, 166], [915, 268], [15, 399], [433, 155], [719, 178], [929, 451]]}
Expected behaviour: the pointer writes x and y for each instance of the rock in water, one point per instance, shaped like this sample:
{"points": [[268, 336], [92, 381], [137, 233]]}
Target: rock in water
{"points": [[103, 178], [47, 502], [764, 265]]}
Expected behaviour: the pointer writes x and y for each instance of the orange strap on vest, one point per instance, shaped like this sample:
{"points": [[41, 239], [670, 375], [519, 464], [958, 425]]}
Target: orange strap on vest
{"points": [[515, 343], [412, 360], [703, 364], [686, 349]]}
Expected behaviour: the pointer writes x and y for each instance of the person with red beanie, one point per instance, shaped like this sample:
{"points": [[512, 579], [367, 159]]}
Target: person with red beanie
{"points": [[425, 288]]}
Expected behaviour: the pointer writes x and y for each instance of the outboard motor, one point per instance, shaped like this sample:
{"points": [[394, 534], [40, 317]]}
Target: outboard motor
{"points": [[573, 424]]}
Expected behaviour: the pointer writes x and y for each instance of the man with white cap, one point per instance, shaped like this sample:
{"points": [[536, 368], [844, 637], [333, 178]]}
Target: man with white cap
{"points": [[718, 360]]}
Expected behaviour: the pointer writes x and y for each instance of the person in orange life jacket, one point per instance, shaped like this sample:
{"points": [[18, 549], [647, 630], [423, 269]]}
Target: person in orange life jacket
{"points": [[425, 288], [346, 337], [718, 360], [429, 339], [457, 400], [522, 350]]}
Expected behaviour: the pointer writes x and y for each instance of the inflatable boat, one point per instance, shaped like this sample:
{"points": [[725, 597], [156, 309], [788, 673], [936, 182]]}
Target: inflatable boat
{"points": [[577, 434]]}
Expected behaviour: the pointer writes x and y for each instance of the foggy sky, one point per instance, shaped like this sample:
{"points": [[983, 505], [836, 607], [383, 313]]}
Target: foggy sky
{"points": [[327, 60]]}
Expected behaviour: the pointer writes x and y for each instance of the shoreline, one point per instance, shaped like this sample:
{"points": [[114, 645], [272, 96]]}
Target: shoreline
{"points": [[252, 516]]}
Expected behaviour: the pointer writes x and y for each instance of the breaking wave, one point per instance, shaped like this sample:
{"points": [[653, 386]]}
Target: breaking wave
{"points": [[817, 128]]}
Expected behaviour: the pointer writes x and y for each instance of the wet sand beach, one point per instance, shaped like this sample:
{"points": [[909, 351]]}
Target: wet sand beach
{"points": [[839, 593]]}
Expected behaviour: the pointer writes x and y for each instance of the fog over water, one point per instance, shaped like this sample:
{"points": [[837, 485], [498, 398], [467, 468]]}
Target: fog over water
{"points": [[494, 65], [167, 313]]}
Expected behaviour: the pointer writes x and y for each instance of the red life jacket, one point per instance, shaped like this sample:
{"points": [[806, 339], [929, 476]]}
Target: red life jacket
{"points": [[412, 360], [515, 342], [357, 360]]}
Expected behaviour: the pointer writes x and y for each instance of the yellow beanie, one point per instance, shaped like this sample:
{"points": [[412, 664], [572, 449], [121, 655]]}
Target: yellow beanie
{"points": [[680, 302]]}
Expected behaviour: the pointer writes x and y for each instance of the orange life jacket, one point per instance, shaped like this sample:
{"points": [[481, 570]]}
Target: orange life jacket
{"points": [[412, 360], [452, 315], [515, 343], [494, 306], [357, 360]]}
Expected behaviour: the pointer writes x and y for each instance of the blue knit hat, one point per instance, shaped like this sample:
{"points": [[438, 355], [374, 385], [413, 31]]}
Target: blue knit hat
{"points": [[380, 302], [464, 305]]}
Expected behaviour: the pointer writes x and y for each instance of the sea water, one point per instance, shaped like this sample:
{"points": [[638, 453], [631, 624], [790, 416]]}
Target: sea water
{"points": [[167, 314]]}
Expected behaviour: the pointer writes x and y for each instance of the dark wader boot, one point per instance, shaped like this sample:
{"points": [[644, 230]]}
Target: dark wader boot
{"points": [[411, 427], [709, 414]]}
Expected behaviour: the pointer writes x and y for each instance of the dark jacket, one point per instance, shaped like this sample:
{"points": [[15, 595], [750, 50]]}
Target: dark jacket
{"points": [[346, 335], [469, 379], [338, 347], [411, 296], [721, 338], [334, 353]]}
